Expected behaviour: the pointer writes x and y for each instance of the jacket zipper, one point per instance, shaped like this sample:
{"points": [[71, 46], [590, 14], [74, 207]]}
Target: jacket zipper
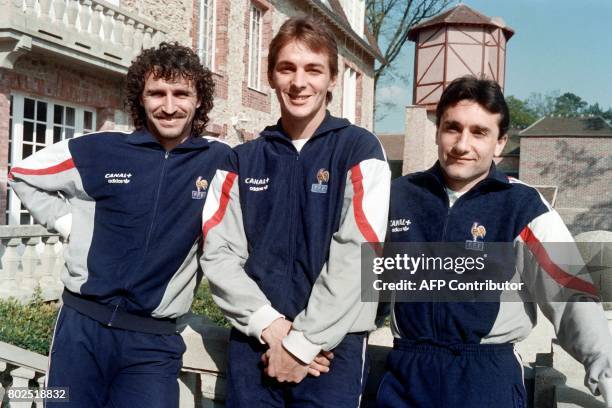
{"points": [[155, 208], [156, 204], [292, 211]]}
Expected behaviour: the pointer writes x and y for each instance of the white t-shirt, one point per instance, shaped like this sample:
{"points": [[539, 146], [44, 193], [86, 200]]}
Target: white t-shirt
{"points": [[299, 143], [453, 196]]}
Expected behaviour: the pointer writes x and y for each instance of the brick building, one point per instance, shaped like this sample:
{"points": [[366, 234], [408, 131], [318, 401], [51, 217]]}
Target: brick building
{"points": [[63, 63], [572, 154]]}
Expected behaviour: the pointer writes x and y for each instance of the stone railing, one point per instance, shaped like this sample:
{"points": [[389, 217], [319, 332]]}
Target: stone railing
{"points": [[31, 258], [90, 31], [20, 368]]}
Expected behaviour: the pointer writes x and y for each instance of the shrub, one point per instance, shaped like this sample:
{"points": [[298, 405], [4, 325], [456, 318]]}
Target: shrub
{"points": [[31, 326], [28, 326], [203, 304]]}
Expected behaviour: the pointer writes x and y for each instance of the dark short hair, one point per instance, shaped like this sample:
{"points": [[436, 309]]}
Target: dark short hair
{"points": [[315, 34], [169, 61], [485, 92]]}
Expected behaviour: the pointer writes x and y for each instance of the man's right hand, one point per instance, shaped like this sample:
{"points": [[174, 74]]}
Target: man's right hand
{"points": [[321, 363]]}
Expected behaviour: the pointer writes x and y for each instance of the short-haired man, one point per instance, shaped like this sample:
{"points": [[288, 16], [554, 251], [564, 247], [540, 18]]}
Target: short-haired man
{"points": [[460, 354], [282, 242], [130, 206]]}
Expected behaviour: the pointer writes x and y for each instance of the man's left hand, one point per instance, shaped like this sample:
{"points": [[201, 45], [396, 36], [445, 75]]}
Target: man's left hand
{"points": [[283, 366]]}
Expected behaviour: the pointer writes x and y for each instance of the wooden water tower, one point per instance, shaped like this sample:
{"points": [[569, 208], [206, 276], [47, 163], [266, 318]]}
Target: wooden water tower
{"points": [[460, 41]]}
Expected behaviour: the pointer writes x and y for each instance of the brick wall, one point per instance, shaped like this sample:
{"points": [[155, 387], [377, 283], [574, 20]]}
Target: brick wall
{"points": [[582, 170]]}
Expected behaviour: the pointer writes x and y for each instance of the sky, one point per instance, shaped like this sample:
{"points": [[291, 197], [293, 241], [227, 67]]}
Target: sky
{"points": [[558, 45]]}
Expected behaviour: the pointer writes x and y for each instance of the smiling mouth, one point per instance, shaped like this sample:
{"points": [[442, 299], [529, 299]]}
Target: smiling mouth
{"points": [[460, 159], [298, 97]]}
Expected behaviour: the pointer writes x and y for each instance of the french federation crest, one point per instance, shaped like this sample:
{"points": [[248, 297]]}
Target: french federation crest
{"points": [[477, 231], [201, 187], [321, 185]]}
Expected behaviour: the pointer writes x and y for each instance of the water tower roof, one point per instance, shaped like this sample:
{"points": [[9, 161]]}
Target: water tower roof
{"points": [[460, 15]]}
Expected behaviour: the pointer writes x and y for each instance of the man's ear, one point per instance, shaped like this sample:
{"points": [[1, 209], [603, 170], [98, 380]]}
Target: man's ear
{"points": [[332, 83], [499, 146]]}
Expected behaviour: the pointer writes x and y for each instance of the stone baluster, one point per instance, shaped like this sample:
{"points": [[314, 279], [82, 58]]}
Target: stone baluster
{"points": [[147, 41], [50, 285], [119, 28], [41, 384], [107, 25], [158, 37], [59, 266], [21, 378], [73, 12], [85, 16], [128, 34], [59, 8], [2, 368], [8, 275], [138, 36], [29, 261], [30, 4], [96, 21], [45, 8]]}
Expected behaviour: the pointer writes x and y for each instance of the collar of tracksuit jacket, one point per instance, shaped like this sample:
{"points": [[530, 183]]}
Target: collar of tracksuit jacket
{"points": [[143, 137], [495, 180], [329, 124]]}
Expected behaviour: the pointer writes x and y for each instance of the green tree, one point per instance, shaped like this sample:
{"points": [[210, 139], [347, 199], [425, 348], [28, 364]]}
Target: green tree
{"points": [[521, 115], [569, 104], [542, 104]]}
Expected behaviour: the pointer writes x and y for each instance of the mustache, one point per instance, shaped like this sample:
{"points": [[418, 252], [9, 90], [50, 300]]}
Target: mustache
{"points": [[167, 116]]}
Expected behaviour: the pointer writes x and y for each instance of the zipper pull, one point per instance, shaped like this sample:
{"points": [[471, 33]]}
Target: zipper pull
{"points": [[110, 322], [166, 155]]}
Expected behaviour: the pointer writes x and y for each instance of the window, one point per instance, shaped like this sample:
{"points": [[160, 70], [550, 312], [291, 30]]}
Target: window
{"points": [[349, 94], [255, 48], [206, 37], [33, 125]]}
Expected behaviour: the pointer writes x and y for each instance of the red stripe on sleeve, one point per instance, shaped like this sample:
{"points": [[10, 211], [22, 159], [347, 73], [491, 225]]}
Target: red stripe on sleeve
{"points": [[563, 278], [223, 202], [362, 222], [58, 168]]}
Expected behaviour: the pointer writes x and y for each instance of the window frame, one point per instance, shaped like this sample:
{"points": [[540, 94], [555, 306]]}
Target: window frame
{"points": [[254, 78], [13, 212], [211, 6]]}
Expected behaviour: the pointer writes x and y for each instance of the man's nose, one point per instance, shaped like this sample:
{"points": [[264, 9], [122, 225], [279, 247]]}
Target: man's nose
{"points": [[299, 79], [463, 143], [169, 106]]}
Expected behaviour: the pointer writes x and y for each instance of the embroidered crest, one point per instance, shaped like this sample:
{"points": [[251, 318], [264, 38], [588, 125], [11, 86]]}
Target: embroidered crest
{"points": [[321, 185], [477, 231], [201, 187]]}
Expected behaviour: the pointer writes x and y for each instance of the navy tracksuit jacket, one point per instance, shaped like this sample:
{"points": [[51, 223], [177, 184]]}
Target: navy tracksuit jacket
{"points": [[457, 354]]}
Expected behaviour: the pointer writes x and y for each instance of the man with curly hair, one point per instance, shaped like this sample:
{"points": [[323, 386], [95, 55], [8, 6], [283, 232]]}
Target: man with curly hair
{"points": [[129, 205]]}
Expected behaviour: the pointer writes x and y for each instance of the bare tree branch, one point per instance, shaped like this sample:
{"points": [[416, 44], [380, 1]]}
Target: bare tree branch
{"points": [[390, 21]]}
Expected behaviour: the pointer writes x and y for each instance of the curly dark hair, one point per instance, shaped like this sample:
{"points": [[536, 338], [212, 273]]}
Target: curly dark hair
{"points": [[169, 61]]}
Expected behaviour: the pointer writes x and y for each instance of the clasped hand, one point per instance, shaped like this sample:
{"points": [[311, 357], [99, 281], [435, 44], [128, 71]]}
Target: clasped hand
{"points": [[284, 366]]}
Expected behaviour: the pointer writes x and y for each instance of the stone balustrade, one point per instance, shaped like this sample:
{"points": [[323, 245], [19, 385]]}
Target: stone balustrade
{"points": [[20, 368], [91, 31], [31, 258]]}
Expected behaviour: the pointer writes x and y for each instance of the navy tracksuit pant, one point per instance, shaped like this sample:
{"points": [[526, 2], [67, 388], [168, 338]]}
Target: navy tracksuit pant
{"points": [[249, 387], [421, 375], [109, 367]]}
